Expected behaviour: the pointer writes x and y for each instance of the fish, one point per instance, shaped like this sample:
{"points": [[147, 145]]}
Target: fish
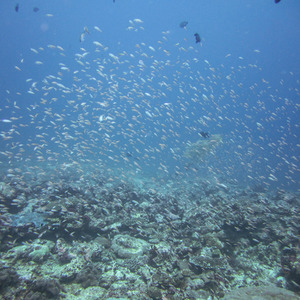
{"points": [[36, 9], [127, 99], [183, 24], [204, 134], [82, 37], [277, 1], [85, 31], [17, 7], [197, 36], [97, 28]]}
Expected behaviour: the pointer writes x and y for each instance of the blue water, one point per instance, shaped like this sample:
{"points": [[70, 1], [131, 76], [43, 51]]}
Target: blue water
{"points": [[246, 65]]}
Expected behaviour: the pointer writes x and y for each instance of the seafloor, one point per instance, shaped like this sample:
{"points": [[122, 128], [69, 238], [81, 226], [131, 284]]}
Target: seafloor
{"points": [[67, 234]]}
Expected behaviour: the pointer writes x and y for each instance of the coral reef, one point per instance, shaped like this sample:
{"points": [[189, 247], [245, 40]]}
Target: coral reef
{"points": [[178, 239]]}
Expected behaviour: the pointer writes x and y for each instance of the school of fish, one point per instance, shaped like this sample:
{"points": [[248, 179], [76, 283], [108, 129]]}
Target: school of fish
{"points": [[152, 101]]}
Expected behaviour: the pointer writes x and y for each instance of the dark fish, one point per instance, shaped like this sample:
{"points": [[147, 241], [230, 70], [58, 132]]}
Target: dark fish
{"points": [[183, 24], [277, 1], [198, 39], [130, 155], [204, 134], [17, 7], [36, 9]]}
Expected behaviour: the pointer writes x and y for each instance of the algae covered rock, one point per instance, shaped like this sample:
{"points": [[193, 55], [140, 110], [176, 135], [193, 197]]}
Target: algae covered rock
{"points": [[115, 279], [126, 246], [261, 293], [43, 289], [8, 277], [7, 191], [154, 292], [92, 293], [88, 276], [40, 252]]}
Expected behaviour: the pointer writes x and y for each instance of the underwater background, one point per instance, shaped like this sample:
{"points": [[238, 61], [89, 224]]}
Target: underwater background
{"points": [[241, 81], [169, 128]]}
